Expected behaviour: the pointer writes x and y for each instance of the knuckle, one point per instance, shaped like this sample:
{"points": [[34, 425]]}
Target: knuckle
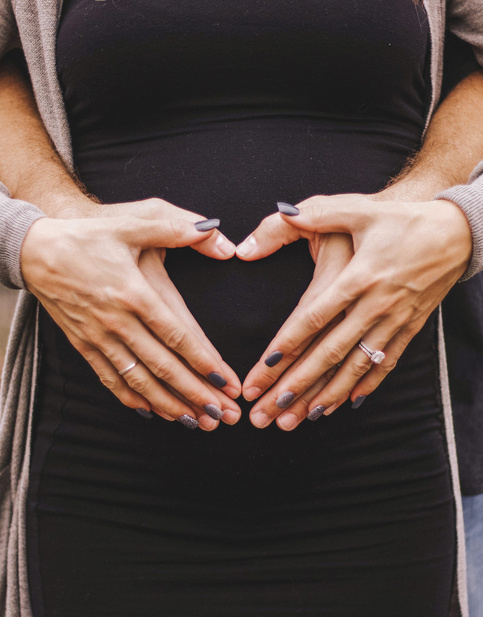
{"points": [[124, 224], [332, 355], [388, 365], [360, 367], [315, 319], [110, 382], [163, 369], [303, 384], [174, 229], [153, 202], [176, 339], [129, 297], [137, 382], [91, 355], [268, 379], [335, 394], [111, 323], [294, 354]]}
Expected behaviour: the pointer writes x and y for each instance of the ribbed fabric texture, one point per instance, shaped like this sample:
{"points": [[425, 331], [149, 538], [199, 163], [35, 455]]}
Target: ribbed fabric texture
{"points": [[16, 217], [469, 197], [36, 21]]}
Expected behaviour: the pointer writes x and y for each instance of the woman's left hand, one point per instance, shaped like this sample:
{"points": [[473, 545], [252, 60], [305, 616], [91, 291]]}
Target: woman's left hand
{"points": [[407, 256]]}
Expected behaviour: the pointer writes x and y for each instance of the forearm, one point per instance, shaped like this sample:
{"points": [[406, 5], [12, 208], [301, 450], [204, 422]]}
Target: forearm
{"points": [[32, 169], [452, 147]]}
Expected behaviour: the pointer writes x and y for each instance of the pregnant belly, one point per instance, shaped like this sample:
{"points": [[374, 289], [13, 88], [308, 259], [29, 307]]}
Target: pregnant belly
{"points": [[241, 305], [237, 171]]}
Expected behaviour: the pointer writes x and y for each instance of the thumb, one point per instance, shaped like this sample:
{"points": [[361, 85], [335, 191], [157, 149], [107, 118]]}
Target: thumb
{"points": [[329, 214], [167, 233], [272, 233]]}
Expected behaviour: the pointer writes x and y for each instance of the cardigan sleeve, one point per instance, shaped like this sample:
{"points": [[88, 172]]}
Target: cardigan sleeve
{"points": [[465, 19], [8, 28], [16, 217], [469, 197]]}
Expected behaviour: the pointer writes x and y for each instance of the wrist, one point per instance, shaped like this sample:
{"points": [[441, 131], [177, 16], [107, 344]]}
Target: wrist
{"points": [[416, 186], [65, 201], [458, 227]]}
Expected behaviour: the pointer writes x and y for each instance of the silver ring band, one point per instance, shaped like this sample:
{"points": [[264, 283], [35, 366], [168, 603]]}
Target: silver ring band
{"points": [[128, 368], [374, 355]]}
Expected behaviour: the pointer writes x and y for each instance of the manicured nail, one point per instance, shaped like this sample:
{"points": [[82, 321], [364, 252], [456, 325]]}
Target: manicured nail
{"points": [[316, 412], [145, 413], [358, 402], [287, 209], [207, 225], [274, 358], [217, 380], [260, 419], [252, 393], [288, 421], [213, 411], [188, 421], [247, 247], [285, 399], [225, 246]]}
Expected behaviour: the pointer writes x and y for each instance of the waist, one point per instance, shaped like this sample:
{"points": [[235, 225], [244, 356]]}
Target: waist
{"points": [[237, 169]]}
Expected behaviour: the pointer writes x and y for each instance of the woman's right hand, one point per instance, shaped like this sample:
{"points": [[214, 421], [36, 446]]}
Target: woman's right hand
{"points": [[86, 272]]}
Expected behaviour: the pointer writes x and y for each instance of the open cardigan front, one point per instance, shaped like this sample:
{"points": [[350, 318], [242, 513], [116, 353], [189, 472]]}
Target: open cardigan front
{"points": [[33, 23]]}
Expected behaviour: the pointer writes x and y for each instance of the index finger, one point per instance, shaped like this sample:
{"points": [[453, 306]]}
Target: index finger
{"points": [[177, 335], [304, 324]]}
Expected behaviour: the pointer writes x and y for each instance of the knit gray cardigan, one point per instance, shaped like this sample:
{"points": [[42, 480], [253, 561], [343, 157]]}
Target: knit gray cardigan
{"points": [[34, 24]]}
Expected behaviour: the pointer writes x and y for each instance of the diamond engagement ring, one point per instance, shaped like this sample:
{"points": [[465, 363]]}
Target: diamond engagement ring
{"points": [[373, 354], [128, 368]]}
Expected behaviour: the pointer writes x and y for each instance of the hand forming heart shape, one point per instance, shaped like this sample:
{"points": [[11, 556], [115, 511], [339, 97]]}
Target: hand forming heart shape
{"points": [[382, 267]]}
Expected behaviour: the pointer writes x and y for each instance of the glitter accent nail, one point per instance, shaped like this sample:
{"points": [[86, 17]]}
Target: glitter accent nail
{"points": [[188, 421], [287, 209], [214, 412], [285, 399], [316, 412], [358, 402], [274, 358], [207, 225], [217, 380]]}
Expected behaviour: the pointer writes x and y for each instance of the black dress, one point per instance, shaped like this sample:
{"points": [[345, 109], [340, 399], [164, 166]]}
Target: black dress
{"points": [[225, 108]]}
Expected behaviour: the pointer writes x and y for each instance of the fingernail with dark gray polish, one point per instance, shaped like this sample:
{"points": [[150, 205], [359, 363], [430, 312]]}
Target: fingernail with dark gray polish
{"points": [[358, 402], [217, 380], [214, 412], [287, 209], [274, 358], [188, 421], [145, 413], [207, 225], [316, 412], [285, 399]]}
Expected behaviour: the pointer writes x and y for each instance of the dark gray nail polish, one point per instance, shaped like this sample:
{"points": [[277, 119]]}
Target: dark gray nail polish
{"points": [[214, 412], [145, 413], [316, 412], [188, 421], [274, 358], [207, 225], [287, 209], [217, 380], [285, 399], [358, 402]]}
